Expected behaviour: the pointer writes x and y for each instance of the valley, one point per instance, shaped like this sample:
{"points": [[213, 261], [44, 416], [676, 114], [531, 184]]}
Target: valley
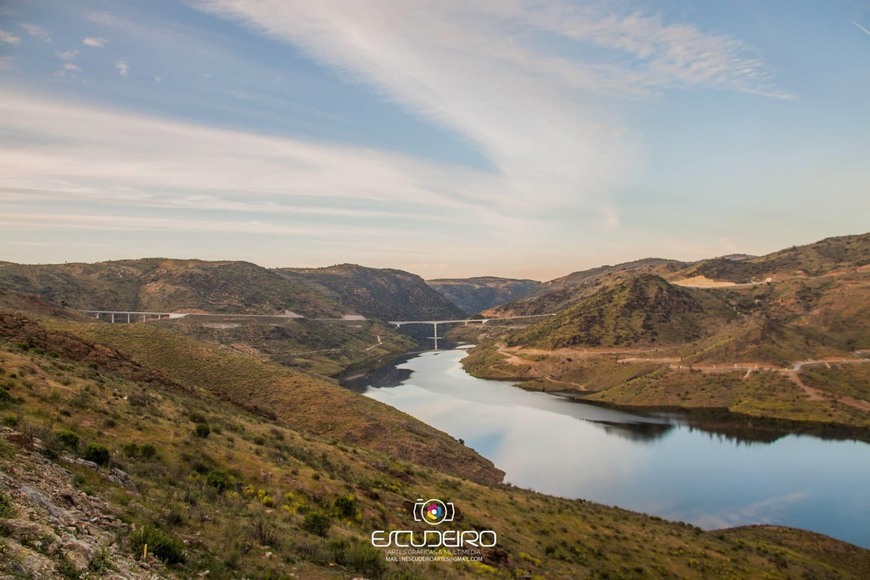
{"points": [[226, 444]]}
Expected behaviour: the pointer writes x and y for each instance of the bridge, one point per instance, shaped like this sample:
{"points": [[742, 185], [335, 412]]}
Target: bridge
{"points": [[465, 321], [131, 316], [114, 316]]}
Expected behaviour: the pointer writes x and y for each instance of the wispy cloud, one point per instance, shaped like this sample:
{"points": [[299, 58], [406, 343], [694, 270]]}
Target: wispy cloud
{"points": [[225, 181], [94, 41], [67, 55], [9, 38], [37, 32], [123, 68], [489, 72], [861, 27]]}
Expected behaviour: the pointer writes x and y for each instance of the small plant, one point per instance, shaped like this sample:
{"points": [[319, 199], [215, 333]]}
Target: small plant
{"points": [[218, 479], [201, 430], [100, 563], [162, 545], [317, 523], [69, 438], [263, 532], [346, 506], [5, 396], [7, 510], [97, 453], [147, 451]]}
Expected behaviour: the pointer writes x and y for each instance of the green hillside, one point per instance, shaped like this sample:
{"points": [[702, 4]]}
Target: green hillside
{"points": [[129, 450], [638, 340], [474, 295], [162, 285], [811, 260], [643, 310], [385, 294]]}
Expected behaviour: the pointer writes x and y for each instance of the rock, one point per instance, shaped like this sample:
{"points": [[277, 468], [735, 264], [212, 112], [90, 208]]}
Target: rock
{"points": [[79, 552]]}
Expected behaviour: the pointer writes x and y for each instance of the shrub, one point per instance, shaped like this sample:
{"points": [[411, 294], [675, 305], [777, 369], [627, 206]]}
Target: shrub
{"points": [[162, 545], [201, 430], [317, 523], [6, 396], [68, 438], [359, 557], [346, 506], [97, 453], [6, 508], [218, 479], [147, 451], [264, 533]]}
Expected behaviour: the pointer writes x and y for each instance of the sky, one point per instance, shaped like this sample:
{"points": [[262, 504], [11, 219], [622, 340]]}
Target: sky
{"points": [[449, 138]]}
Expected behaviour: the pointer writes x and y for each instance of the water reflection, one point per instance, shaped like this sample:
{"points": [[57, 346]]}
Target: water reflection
{"points": [[697, 468], [640, 432]]}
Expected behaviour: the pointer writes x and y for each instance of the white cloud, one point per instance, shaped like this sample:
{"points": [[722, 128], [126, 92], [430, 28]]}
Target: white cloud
{"points": [[9, 38], [94, 41], [67, 55], [37, 32], [123, 68], [135, 162], [68, 70], [489, 71]]}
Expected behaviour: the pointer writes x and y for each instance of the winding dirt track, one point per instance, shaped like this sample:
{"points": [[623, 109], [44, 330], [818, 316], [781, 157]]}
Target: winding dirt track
{"points": [[793, 373]]}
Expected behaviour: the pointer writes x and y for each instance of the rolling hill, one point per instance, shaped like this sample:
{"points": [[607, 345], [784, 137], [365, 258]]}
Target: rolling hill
{"points": [[474, 295], [131, 450], [385, 294], [738, 334]]}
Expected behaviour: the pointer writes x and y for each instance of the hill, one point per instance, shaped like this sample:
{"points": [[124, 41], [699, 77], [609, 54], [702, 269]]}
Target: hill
{"points": [[134, 451], [812, 260], [385, 294], [773, 336], [477, 294], [164, 285], [561, 293], [643, 310]]}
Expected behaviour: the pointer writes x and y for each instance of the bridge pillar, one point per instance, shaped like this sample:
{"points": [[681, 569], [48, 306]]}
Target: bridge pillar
{"points": [[113, 318]]}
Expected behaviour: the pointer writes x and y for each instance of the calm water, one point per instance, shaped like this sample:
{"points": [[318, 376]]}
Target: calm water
{"points": [[659, 464]]}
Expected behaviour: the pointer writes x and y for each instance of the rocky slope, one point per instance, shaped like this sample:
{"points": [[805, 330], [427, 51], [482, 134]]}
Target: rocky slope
{"points": [[475, 295]]}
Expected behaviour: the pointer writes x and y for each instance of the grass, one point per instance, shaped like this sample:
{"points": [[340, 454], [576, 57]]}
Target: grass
{"points": [[259, 486]]}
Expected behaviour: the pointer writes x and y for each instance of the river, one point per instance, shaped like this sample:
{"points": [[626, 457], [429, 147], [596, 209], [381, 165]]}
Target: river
{"points": [[667, 465]]}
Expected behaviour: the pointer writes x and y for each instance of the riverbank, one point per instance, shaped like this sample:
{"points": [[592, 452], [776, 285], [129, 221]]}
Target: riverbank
{"points": [[829, 394], [702, 468]]}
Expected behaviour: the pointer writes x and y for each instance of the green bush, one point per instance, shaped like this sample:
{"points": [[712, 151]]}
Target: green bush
{"points": [[162, 545], [201, 430], [147, 451], [6, 508], [68, 438], [97, 453], [359, 557], [317, 523], [5, 396], [346, 506], [218, 479]]}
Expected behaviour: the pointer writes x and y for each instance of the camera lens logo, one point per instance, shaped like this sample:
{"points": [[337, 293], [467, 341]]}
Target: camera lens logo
{"points": [[433, 511]]}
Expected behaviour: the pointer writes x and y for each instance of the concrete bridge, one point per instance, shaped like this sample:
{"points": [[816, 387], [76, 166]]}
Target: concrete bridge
{"points": [[465, 321], [131, 316]]}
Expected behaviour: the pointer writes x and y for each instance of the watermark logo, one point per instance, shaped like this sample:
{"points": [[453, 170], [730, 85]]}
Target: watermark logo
{"points": [[434, 511]]}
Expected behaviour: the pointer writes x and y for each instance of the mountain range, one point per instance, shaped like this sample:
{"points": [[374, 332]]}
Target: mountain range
{"points": [[186, 448]]}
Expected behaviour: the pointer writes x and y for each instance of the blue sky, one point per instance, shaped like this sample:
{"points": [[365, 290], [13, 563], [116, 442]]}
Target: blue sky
{"points": [[448, 138]]}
